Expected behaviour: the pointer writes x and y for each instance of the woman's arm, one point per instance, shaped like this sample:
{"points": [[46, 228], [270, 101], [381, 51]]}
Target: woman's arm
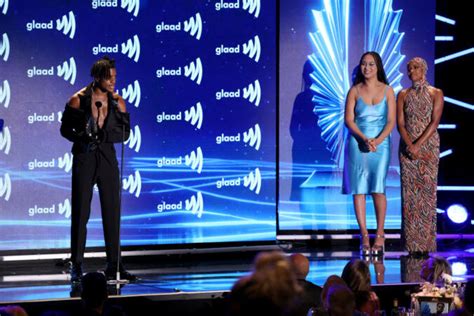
{"points": [[391, 116], [401, 118], [438, 104], [349, 118]]}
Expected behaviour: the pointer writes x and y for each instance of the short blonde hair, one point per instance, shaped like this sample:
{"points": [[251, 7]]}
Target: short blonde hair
{"points": [[420, 62]]}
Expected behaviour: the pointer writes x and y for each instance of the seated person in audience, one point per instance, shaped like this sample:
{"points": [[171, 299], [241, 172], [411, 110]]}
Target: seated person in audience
{"points": [[340, 301], [356, 274], [434, 269], [12, 310], [94, 297], [311, 292], [271, 289], [331, 281]]}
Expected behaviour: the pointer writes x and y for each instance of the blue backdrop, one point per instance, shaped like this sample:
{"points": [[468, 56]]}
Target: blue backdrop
{"points": [[199, 79]]}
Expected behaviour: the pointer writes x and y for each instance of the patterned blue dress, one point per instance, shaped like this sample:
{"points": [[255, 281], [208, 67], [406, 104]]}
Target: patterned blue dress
{"points": [[365, 172]]}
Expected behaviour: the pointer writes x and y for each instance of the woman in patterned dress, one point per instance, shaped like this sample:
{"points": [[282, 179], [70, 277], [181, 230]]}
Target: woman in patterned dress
{"points": [[419, 110]]}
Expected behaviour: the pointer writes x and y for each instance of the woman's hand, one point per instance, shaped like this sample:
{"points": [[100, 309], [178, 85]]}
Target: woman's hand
{"points": [[413, 151], [372, 144]]}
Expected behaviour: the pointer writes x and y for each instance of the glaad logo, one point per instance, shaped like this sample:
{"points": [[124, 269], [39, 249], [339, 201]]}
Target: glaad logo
{"points": [[38, 118], [5, 47], [67, 71], [253, 137], [5, 140], [253, 181], [4, 6], [194, 115], [194, 160], [252, 6], [5, 94], [195, 204], [129, 5], [193, 26], [132, 93], [67, 24], [193, 71], [65, 162], [135, 139], [104, 4], [251, 48], [252, 92], [5, 186], [63, 209], [228, 183], [131, 48], [133, 184]]}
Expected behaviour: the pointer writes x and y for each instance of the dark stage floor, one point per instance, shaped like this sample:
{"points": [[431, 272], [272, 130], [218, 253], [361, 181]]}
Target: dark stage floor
{"points": [[210, 273]]}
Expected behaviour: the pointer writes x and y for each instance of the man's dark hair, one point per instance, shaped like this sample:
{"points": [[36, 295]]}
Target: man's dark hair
{"points": [[94, 289], [101, 68]]}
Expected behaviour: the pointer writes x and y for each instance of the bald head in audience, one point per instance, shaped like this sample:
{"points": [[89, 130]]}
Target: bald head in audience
{"points": [[300, 265]]}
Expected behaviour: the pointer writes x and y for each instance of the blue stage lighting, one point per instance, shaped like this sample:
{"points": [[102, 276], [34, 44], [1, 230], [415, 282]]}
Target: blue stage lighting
{"points": [[457, 213], [459, 268], [330, 61]]}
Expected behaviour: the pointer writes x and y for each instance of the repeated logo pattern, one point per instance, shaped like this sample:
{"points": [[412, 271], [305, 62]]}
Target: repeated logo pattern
{"points": [[194, 71], [5, 47], [132, 49], [68, 70], [65, 162], [4, 6], [5, 140], [133, 184], [67, 25], [194, 26], [195, 160], [134, 141], [133, 93], [5, 187], [5, 94], [195, 204]]}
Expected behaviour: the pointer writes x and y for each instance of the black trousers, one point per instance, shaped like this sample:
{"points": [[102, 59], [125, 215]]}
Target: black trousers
{"points": [[101, 167]]}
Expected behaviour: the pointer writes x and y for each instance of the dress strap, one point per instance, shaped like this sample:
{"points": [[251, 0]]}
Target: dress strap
{"points": [[385, 91]]}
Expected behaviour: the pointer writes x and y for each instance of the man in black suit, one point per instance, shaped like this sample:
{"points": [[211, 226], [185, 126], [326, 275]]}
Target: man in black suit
{"points": [[311, 292]]}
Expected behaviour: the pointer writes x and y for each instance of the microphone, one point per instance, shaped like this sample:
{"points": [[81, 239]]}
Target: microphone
{"points": [[98, 104]]}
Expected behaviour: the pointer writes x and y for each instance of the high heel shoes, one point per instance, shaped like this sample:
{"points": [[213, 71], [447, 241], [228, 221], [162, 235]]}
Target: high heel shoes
{"points": [[364, 247], [378, 249]]}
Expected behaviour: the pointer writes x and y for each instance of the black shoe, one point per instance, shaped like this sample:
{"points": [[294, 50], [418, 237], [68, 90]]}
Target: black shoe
{"points": [[76, 272], [111, 274]]}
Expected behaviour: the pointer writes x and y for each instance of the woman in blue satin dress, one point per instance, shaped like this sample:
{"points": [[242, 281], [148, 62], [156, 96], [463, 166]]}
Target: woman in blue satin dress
{"points": [[370, 116]]}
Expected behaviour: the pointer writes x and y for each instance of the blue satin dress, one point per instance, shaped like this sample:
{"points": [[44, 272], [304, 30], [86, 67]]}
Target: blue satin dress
{"points": [[365, 172]]}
